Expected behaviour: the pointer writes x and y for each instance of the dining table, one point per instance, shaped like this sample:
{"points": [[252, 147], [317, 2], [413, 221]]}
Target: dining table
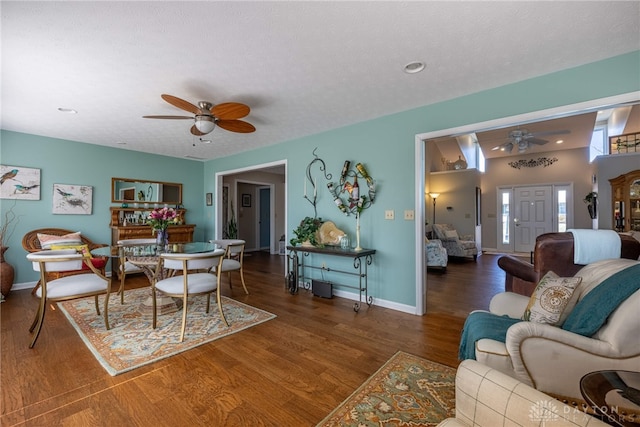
{"points": [[147, 257]]}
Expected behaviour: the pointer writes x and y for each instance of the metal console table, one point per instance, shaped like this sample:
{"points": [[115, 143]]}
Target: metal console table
{"points": [[361, 260]]}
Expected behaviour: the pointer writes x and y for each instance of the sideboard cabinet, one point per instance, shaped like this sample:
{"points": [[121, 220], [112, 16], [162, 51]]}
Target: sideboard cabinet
{"points": [[129, 223]]}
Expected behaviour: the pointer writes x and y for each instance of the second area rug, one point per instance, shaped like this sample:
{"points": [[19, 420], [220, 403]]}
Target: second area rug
{"points": [[131, 342], [406, 391]]}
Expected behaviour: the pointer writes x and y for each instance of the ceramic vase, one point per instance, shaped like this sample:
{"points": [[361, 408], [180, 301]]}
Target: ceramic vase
{"points": [[6, 273]]}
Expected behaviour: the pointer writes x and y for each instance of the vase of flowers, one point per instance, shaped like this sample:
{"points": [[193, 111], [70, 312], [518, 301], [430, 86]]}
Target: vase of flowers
{"points": [[159, 220]]}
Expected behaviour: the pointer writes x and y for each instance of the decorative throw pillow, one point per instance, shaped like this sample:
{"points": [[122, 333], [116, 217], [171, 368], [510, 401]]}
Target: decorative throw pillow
{"points": [[83, 249], [550, 298], [451, 234], [46, 240]]}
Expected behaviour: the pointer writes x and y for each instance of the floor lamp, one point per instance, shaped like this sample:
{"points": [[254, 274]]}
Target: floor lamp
{"points": [[434, 196]]}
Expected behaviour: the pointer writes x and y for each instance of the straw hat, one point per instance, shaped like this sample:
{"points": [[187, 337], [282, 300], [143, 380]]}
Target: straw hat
{"points": [[329, 234]]}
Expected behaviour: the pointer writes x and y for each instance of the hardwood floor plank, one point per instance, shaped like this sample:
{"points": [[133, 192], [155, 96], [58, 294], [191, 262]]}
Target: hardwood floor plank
{"points": [[292, 370]]}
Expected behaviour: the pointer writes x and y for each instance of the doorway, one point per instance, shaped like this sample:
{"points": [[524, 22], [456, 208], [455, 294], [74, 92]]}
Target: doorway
{"points": [[263, 199]]}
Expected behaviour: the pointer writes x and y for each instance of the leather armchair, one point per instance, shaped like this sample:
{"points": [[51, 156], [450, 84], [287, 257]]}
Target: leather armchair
{"points": [[552, 359], [552, 252]]}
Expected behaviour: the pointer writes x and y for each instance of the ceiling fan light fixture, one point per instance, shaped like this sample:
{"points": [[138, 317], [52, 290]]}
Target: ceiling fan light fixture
{"points": [[205, 124]]}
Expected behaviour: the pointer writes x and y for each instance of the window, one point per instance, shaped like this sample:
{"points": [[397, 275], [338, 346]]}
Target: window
{"points": [[562, 210], [598, 145], [506, 195]]}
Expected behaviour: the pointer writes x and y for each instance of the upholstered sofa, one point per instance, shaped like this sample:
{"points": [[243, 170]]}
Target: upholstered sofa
{"points": [[552, 252], [554, 358], [486, 397], [436, 254], [456, 245]]}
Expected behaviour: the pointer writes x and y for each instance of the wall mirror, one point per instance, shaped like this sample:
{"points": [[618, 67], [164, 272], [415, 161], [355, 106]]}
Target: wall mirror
{"points": [[125, 190]]}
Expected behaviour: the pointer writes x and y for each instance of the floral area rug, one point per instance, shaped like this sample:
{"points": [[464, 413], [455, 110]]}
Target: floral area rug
{"points": [[407, 391], [131, 342]]}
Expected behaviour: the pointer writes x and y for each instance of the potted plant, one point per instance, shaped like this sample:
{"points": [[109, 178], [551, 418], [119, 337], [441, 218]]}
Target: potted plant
{"points": [[592, 204], [306, 232]]}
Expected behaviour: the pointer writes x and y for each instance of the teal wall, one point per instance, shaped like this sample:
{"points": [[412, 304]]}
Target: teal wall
{"points": [[67, 162], [386, 146]]}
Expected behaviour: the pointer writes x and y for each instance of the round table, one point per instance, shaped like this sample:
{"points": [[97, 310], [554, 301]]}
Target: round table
{"points": [[147, 257], [615, 395]]}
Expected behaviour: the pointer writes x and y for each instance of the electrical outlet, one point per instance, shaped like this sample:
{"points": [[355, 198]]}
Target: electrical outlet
{"points": [[389, 214], [408, 214]]}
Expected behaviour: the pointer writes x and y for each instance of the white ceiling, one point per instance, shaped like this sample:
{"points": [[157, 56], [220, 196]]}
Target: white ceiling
{"points": [[303, 67]]}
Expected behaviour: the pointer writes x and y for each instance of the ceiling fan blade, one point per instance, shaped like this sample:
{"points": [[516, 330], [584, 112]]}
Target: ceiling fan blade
{"points": [[181, 103], [195, 131], [536, 141], [230, 110], [168, 117], [508, 147], [236, 126], [550, 132]]}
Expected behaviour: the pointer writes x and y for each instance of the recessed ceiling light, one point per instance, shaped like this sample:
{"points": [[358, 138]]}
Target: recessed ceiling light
{"points": [[67, 110], [414, 67], [560, 141]]}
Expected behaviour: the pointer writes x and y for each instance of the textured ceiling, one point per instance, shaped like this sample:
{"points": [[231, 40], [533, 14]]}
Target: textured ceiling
{"points": [[302, 67]]}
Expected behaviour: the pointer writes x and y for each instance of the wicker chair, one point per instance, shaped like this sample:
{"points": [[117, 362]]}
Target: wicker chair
{"points": [[31, 244]]}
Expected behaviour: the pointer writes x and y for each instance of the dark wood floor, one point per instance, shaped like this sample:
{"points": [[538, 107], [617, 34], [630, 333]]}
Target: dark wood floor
{"points": [[290, 371]]}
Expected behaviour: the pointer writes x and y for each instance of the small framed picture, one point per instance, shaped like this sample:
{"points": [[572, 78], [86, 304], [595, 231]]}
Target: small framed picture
{"points": [[209, 199], [246, 200]]}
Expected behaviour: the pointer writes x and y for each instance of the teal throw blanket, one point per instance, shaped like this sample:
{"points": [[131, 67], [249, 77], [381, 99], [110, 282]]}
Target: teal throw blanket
{"points": [[594, 309], [482, 324]]}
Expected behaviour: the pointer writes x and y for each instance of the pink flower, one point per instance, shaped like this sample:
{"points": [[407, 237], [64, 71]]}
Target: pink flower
{"points": [[160, 218]]}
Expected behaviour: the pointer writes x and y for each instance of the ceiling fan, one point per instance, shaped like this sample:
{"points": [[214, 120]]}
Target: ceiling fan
{"points": [[523, 139], [207, 116]]}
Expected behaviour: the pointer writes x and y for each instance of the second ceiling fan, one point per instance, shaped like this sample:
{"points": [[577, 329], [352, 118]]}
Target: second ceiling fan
{"points": [[523, 139], [207, 116]]}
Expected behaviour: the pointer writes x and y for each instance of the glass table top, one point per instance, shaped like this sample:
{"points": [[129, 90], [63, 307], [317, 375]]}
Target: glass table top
{"points": [[116, 251]]}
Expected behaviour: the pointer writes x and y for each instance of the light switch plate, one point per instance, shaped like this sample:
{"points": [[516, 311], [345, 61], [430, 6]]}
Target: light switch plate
{"points": [[389, 214], [408, 214]]}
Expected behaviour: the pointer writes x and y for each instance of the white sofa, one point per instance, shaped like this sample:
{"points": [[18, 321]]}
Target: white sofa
{"points": [[486, 397], [554, 360]]}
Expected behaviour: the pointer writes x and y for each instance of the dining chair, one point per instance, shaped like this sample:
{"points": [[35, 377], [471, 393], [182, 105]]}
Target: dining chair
{"points": [[66, 287], [233, 258], [125, 267], [191, 282]]}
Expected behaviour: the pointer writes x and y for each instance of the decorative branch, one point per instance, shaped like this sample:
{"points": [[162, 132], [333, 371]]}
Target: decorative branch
{"points": [[540, 161], [328, 176]]}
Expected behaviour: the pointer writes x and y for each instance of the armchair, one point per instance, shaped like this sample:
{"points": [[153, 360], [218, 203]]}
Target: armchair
{"points": [[487, 398], [552, 252], [552, 359], [455, 244], [436, 254]]}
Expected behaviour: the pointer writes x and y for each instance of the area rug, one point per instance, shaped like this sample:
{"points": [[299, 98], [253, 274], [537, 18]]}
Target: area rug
{"points": [[131, 342], [407, 391]]}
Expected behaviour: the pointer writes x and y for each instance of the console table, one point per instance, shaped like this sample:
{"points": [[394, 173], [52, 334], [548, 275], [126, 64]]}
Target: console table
{"points": [[361, 260]]}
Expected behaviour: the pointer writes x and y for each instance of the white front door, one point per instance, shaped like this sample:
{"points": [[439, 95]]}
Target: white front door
{"points": [[528, 211], [533, 215]]}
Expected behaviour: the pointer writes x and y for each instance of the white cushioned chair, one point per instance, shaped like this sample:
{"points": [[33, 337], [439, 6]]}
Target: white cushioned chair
{"points": [[552, 359], [67, 287], [486, 397], [125, 267], [233, 258], [193, 281], [455, 244]]}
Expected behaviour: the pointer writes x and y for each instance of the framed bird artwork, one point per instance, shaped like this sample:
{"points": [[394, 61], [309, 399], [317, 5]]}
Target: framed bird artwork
{"points": [[72, 199], [17, 182]]}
